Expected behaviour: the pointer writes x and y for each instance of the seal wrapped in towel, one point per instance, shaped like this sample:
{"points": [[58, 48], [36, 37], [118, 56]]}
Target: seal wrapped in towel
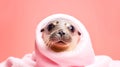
{"points": [[61, 41]]}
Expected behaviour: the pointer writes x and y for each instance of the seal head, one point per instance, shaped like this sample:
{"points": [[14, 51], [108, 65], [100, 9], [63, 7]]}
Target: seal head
{"points": [[60, 35]]}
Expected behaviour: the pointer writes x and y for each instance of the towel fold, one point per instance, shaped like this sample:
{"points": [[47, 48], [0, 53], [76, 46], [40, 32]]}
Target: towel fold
{"points": [[82, 56]]}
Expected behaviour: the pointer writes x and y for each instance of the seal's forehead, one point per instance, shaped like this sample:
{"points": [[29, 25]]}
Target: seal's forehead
{"points": [[61, 22]]}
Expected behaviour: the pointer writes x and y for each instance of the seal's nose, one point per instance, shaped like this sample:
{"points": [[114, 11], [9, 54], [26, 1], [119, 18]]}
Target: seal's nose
{"points": [[61, 33]]}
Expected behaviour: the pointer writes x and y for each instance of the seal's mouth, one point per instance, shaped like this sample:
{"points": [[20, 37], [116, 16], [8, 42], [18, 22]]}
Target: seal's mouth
{"points": [[61, 42]]}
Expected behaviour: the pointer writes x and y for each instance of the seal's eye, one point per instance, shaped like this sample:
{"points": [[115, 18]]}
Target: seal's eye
{"points": [[71, 28], [50, 27]]}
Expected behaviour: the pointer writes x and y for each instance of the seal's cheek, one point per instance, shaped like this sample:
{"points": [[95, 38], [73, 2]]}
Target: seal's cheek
{"points": [[67, 38]]}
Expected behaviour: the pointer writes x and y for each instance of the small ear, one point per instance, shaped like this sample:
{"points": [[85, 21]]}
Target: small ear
{"points": [[79, 33], [57, 22], [42, 30]]}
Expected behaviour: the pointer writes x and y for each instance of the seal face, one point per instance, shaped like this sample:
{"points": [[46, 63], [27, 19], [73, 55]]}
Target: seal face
{"points": [[60, 35]]}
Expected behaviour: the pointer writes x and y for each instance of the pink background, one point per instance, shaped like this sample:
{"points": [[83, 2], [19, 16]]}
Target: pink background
{"points": [[19, 18]]}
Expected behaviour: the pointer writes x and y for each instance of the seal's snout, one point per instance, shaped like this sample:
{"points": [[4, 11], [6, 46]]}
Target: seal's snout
{"points": [[61, 33]]}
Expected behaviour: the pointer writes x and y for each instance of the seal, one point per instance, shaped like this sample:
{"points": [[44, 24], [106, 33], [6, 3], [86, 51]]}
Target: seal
{"points": [[60, 35]]}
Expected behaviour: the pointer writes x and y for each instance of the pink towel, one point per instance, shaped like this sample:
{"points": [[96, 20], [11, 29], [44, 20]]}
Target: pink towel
{"points": [[82, 56]]}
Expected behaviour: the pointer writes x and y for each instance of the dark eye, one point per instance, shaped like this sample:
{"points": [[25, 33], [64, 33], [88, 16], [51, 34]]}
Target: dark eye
{"points": [[79, 33], [50, 27], [71, 28]]}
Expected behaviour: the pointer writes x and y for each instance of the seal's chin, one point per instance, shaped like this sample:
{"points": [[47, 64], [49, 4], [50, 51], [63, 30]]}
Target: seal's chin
{"points": [[59, 46]]}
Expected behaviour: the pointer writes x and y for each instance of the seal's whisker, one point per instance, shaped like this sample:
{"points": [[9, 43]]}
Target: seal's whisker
{"points": [[48, 43], [51, 43]]}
